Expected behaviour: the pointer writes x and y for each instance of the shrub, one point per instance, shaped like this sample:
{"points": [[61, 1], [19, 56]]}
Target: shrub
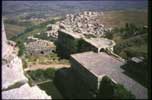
{"points": [[123, 54], [21, 48], [42, 75]]}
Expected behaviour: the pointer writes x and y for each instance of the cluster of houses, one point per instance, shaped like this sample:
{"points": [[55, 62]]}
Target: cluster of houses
{"points": [[84, 22]]}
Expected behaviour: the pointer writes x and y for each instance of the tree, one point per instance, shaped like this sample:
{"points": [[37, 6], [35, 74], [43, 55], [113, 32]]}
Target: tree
{"points": [[21, 48]]}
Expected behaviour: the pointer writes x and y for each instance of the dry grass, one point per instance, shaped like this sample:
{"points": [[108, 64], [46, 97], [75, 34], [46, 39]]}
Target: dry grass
{"points": [[119, 18], [12, 30]]}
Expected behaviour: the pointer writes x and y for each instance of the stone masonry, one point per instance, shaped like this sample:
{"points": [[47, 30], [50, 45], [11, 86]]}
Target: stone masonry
{"points": [[39, 47]]}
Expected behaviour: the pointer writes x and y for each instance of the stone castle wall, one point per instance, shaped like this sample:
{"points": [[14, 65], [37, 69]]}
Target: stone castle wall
{"points": [[68, 44], [87, 77], [14, 83]]}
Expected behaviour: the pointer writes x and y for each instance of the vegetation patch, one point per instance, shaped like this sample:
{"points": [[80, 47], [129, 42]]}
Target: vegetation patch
{"points": [[52, 58], [31, 30], [110, 90], [41, 75], [131, 40], [137, 71], [44, 79], [89, 36], [13, 30], [51, 90]]}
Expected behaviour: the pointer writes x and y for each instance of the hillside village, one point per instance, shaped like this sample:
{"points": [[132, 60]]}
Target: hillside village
{"points": [[80, 38]]}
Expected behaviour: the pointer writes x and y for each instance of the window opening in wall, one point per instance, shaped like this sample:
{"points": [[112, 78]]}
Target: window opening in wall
{"points": [[53, 51], [102, 50], [42, 52]]}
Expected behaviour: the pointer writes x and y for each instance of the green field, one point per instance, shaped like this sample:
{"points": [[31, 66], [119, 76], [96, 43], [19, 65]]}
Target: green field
{"points": [[16, 26]]}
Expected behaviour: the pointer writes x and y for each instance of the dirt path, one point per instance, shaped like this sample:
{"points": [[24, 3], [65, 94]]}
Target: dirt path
{"points": [[44, 66]]}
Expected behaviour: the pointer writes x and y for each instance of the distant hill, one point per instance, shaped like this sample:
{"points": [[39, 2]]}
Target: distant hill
{"points": [[59, 8]]}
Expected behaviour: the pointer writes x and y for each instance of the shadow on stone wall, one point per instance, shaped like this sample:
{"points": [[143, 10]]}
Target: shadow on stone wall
{"points": [[70, 86], [51, 90]]}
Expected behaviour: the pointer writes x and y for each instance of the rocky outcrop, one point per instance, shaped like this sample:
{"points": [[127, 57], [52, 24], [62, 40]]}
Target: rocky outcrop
{"points": [[12, 72], [25, 92]]}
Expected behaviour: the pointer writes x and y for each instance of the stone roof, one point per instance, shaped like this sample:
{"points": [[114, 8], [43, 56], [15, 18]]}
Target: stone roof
{"points": [[73, 34], [100, 42], [100, 64]]}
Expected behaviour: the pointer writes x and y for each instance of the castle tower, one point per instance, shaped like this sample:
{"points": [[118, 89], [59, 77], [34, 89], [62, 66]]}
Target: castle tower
{"points": [[4, 41]]}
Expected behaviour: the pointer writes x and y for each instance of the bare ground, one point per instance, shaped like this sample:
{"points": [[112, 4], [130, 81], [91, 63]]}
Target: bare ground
{"points": [[46, 66]]}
